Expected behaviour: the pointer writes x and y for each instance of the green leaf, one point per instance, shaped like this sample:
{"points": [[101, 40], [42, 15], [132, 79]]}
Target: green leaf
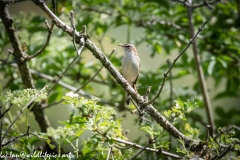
{"points": [[211, 66]]}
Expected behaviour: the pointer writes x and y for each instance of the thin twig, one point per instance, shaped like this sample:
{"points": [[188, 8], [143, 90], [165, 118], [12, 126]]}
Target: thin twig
{"points": [[15, 138], [75, 58], [9, 53], [2, 114], [150, 141], [5, 61], [50, 29], [74, 30], [140, 109], [90, 79], [112, 155], [122, 148], [109, 152], [145, 96], [208, 132], [139, 146], [147, 148], [21, 111], [175, 60], [137, 109], [223, 153]]}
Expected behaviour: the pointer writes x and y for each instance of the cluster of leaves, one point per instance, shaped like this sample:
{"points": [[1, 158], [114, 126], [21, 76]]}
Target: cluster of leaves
{"points": [[179, 110], [22, 97], [158, 135], [215, 147], [87, 116]]}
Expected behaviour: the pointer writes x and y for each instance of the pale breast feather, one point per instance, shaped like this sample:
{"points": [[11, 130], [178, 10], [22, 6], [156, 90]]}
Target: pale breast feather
{"points": [[130, 69]]}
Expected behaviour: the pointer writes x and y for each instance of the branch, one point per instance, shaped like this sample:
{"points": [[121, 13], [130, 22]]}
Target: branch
{"points": [[175, 60], [139, 146], [201, 77], [21, 111], [150, 141], [147, 148]]}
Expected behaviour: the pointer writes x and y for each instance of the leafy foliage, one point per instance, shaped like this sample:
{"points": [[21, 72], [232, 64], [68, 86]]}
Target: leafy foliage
{"points": [[22, 97], [85, 116]]}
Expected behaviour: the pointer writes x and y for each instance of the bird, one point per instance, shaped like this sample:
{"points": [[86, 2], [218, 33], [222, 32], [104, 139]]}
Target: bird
{"points": [[130, 66]]}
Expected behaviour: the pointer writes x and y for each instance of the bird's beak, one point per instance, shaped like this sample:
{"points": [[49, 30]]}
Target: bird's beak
{"points": [[121, 45]]}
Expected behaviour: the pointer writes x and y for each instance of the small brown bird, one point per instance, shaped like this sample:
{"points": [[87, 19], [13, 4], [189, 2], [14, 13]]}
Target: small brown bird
{"points": [[130, 66]]}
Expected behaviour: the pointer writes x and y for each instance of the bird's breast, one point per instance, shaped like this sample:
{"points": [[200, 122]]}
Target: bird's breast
{"points": [[130, 67]]}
